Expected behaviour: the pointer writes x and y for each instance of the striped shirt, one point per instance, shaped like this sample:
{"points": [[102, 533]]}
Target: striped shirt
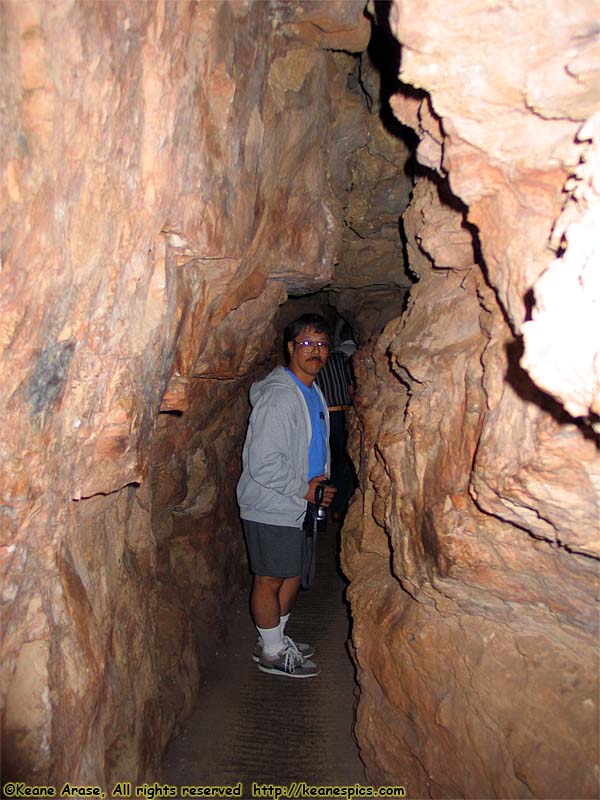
{"points": [[334, 379]]}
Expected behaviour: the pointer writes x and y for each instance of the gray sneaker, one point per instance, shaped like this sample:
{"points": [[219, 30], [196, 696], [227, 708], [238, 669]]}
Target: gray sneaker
{"points": [[290, 663], [305, 650]]}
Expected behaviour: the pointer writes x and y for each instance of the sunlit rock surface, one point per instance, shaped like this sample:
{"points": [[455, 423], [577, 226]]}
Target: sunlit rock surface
{"points": [[472, 546]]}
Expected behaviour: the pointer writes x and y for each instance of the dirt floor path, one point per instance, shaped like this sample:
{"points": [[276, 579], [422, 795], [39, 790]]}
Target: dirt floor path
{"points": [[268, 729]]}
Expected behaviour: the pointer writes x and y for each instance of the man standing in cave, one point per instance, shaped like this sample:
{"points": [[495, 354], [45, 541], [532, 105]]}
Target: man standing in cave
{"points": [[285, 458]]}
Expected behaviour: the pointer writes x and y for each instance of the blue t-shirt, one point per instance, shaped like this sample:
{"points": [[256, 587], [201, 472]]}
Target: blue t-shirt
{"points": [[317, 451]]}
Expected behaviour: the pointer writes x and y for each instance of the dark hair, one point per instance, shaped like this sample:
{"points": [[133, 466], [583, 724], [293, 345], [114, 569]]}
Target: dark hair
{"points": [[315, 321]]}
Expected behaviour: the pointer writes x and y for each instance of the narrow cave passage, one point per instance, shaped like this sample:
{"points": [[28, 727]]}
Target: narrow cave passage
{"points": [[251, 727], [172, 173], [248, 727]]}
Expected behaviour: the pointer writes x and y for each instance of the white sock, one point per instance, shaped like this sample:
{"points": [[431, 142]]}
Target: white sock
{"points": [[272, 639], [282, 623]]}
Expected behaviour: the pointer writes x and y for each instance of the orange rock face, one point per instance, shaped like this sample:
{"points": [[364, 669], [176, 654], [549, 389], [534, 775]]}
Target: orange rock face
{"points": [[165, 184], [171, 171], [469, 626], [472, 548]]}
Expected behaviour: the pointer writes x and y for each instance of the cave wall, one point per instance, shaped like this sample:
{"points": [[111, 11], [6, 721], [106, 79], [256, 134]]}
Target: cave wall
{"points": [[372, 185], [472, 545], [171, 172], [165, 185]]}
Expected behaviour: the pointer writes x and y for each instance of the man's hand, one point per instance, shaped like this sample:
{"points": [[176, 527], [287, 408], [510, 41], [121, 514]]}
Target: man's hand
{"points": [[328, 492]]}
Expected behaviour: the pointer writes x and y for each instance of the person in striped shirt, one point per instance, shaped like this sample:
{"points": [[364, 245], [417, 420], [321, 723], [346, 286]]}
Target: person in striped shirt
{"points": [[336, 382]]}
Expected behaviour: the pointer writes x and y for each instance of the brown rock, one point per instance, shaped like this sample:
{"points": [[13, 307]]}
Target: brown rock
{"points": [[172, 171], [331, 24], [479, 494], [166, 175]]}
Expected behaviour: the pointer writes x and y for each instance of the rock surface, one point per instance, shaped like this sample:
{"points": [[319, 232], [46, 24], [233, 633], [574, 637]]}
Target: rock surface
{"points": [[472, 546], [469, 613], [171, 172], [165, 174]]}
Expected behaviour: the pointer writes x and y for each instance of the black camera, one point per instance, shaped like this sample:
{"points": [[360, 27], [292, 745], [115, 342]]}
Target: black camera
{"points": [[316, 510]]}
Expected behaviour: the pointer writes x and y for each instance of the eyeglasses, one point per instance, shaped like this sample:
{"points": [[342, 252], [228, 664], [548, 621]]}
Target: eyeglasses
{"points": [[306, 344]]}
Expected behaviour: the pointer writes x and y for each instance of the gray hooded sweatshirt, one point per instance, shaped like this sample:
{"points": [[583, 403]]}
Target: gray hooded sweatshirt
{"points": [[275, 456]]}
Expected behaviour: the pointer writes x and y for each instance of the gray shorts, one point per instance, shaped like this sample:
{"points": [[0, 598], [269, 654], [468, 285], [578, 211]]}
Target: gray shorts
{"points": [[276, 551]]}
